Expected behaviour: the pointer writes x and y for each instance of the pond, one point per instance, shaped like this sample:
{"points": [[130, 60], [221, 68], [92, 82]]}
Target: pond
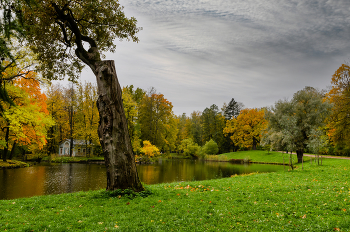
{"points": [[47, 179]]}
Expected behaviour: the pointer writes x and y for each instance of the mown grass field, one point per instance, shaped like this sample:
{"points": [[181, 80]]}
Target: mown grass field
{"points": [[260, 156], [315, 199]]}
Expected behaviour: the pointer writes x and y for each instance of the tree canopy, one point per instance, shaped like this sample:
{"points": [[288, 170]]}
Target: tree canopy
{"points": [[246, 130], [293, 122], [65, 34]]}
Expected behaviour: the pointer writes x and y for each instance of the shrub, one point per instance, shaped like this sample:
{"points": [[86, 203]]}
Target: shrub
{"points": [[189, 148], [149, 150], [211, 147]]}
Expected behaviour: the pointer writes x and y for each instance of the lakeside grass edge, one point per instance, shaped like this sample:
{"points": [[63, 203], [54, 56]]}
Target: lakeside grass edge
{"points": [[316, 199]]}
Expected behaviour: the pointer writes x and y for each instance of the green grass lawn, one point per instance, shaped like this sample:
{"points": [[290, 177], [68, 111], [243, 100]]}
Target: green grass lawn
{"points": [[315, 199], [261, 156], [75, 159]]}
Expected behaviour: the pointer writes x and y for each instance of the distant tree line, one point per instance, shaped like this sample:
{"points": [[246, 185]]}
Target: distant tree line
{"points": [[312, 121]]}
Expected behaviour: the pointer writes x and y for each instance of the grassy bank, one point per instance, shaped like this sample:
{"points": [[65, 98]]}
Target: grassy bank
{"points": [[67, 159], [12, 164], [316, 199], [257, 156]]}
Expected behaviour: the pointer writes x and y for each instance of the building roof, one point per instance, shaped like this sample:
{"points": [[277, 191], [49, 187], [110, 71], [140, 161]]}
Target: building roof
{"points": [[77, 142]]}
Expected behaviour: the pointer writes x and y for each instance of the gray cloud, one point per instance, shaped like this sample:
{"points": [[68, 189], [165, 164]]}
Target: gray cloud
{"points": [[204, 52]]}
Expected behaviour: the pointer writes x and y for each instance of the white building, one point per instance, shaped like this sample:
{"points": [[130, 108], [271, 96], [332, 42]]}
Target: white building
{"points": [[80, 148]]}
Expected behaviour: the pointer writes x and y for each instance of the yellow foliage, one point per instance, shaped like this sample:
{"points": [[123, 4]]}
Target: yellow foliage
{"points": [[246, 129], [149, 150]]}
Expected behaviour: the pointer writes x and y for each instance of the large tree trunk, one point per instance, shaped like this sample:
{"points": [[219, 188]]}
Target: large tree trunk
{"points": [[254, 144], [13, 150], [113, 131], [113, 128], [4, 155], [300, 154]]}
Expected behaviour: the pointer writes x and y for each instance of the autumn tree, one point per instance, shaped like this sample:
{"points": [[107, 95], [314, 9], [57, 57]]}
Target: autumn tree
{"points": [[157, 120], [86, 118], [195, 128], [27, 120], [246, 129], [64, 35], [295, 120], [132, 100], [182, 130], [339, 96], [56, 105]]}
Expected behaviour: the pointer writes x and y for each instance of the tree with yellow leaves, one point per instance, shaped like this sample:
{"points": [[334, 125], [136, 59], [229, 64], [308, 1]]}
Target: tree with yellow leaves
{"points": [[246, 128]]}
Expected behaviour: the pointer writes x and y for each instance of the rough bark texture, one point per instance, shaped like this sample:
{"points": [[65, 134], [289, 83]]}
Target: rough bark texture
{"points": [[113, 128], [113, 131], [13, 150], [4, 155], [300, 156]]}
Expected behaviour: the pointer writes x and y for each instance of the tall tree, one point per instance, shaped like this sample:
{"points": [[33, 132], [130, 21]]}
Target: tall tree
{"points": [[196, 129], [156, 118], [71, 109], [213, 123], [295, 120], [232, 109], [56, 104], [86, 118], [58, 32], [182, 132]]}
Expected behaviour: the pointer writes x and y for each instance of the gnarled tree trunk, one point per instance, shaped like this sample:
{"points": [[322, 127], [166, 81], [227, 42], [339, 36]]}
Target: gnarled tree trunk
{"points": [[113, 128], [113, 131]]}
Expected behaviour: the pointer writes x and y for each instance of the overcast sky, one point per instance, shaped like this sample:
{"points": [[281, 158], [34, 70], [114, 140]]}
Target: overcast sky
{"points": [[203, 52]]}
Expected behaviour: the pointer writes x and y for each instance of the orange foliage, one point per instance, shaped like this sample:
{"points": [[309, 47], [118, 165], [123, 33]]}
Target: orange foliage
{"points": [[32, 87], [339, 95], [246, 128], [33, 132]]}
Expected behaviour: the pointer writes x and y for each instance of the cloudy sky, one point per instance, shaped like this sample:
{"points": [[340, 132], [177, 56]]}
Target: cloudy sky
{"points": [[203, 52]]}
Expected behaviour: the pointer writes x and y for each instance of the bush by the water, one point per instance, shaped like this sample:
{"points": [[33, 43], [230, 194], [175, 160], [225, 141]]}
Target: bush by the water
{"points": [[211, 148], [189, 148]]}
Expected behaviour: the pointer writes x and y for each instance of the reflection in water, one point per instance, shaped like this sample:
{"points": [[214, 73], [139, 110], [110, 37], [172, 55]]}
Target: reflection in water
{"points": [[65, 178]]}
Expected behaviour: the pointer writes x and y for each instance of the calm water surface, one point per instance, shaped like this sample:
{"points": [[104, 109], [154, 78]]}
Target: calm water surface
{"points": [[46, 179]]}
